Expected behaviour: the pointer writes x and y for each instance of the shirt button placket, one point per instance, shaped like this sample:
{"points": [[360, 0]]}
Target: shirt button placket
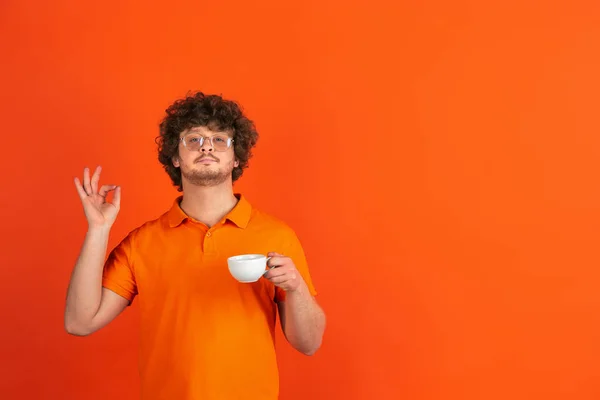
{"points": [[209, 243]]}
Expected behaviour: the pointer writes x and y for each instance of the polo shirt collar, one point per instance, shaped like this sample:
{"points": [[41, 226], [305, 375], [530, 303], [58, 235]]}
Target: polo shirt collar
{"points": [[239, 215]]}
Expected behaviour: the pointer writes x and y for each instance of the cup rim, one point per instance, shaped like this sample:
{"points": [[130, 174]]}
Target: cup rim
{"points": [[248, 257]]}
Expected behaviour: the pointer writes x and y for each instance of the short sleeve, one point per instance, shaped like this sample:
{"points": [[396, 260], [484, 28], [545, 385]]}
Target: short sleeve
{"points": [[118, 275], [295, 251]]}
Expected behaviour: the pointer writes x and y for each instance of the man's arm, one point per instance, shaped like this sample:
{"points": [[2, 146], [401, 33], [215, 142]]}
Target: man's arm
{"points": [[89, 306], [302, 319]]}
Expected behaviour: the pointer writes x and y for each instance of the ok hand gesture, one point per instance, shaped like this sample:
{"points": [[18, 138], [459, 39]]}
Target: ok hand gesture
{"points": [[99, 212]]}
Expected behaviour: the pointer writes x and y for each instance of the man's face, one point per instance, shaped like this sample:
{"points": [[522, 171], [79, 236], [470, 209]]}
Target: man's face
{"points": [[209, 164]]}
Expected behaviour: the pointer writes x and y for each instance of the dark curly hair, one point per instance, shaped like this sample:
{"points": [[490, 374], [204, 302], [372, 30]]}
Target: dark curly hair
{"points": [[214, 112]]}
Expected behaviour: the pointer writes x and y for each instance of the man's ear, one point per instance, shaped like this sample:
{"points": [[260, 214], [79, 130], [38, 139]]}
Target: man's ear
{"points": [[236, 163], [175, 161]]}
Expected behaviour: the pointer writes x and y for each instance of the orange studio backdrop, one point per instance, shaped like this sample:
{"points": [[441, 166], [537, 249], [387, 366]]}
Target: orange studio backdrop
{"points": [[438, 160]]}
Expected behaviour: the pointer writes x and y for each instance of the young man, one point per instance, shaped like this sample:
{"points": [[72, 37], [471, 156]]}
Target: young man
{"points": [[204, 335]]}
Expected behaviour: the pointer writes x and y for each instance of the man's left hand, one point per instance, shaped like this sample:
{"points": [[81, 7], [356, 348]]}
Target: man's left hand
{"points": [[284, 275]]}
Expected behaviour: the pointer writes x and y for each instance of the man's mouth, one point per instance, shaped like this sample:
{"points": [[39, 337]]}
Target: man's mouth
{"points": [[206, 159]]}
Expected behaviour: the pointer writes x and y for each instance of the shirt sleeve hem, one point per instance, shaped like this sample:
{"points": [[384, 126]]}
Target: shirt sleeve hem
{"points": [[112, 286]]}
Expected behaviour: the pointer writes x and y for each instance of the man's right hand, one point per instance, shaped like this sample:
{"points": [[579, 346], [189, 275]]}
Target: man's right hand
{"points": [[99, 212]]}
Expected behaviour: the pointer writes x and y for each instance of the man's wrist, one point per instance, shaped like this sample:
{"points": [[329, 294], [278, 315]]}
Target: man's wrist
{"points": [[300, 291]]}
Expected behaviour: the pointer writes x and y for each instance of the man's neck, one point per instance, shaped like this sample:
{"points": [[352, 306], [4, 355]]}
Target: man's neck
{"points": [[208, 204]]}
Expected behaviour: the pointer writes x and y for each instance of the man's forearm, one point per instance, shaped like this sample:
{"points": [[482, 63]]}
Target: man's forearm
{"points": [[304, 323], [85, 288]]}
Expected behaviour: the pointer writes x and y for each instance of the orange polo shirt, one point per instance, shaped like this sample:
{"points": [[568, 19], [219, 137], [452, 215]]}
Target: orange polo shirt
{"points": [[204, 335]]}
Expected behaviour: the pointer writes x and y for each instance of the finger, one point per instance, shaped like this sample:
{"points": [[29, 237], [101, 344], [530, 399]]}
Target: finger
{"points": [[273, 272], [277, 274], [82, 193], [277, 261], [95, 179], [86, 181], [278, 280], [274, 254], [105, 189], [117, 197]]}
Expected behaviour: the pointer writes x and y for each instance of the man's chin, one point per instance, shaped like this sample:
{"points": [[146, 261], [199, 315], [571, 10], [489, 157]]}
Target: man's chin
{"points": [[206, 178]]}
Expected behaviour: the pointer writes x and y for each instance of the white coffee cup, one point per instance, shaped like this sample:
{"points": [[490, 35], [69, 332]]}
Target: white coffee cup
{"points": [[247, 267]]}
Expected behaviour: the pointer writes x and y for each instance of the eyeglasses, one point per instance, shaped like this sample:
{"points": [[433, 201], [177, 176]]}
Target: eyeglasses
{"points": [[194, 142]]}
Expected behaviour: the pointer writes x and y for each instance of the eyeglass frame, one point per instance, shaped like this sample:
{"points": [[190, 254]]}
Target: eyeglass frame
{"points": [[230, 141]]}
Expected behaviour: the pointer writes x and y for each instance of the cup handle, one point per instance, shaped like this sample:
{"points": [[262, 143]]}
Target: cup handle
{"points": [[268, 268]]}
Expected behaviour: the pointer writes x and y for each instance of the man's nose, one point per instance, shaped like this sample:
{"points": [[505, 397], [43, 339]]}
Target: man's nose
{"points": [[206, 145]]}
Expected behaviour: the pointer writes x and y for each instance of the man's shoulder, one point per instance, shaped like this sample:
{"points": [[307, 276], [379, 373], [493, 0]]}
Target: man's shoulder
{"points": [[263, 220], [149, 228]]}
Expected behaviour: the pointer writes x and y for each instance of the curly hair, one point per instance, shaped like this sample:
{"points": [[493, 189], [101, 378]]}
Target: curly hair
{"points": [[214, 112]]}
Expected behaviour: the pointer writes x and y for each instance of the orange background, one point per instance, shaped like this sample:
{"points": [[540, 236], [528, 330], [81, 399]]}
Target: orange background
{"points": [[439, 161]]}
